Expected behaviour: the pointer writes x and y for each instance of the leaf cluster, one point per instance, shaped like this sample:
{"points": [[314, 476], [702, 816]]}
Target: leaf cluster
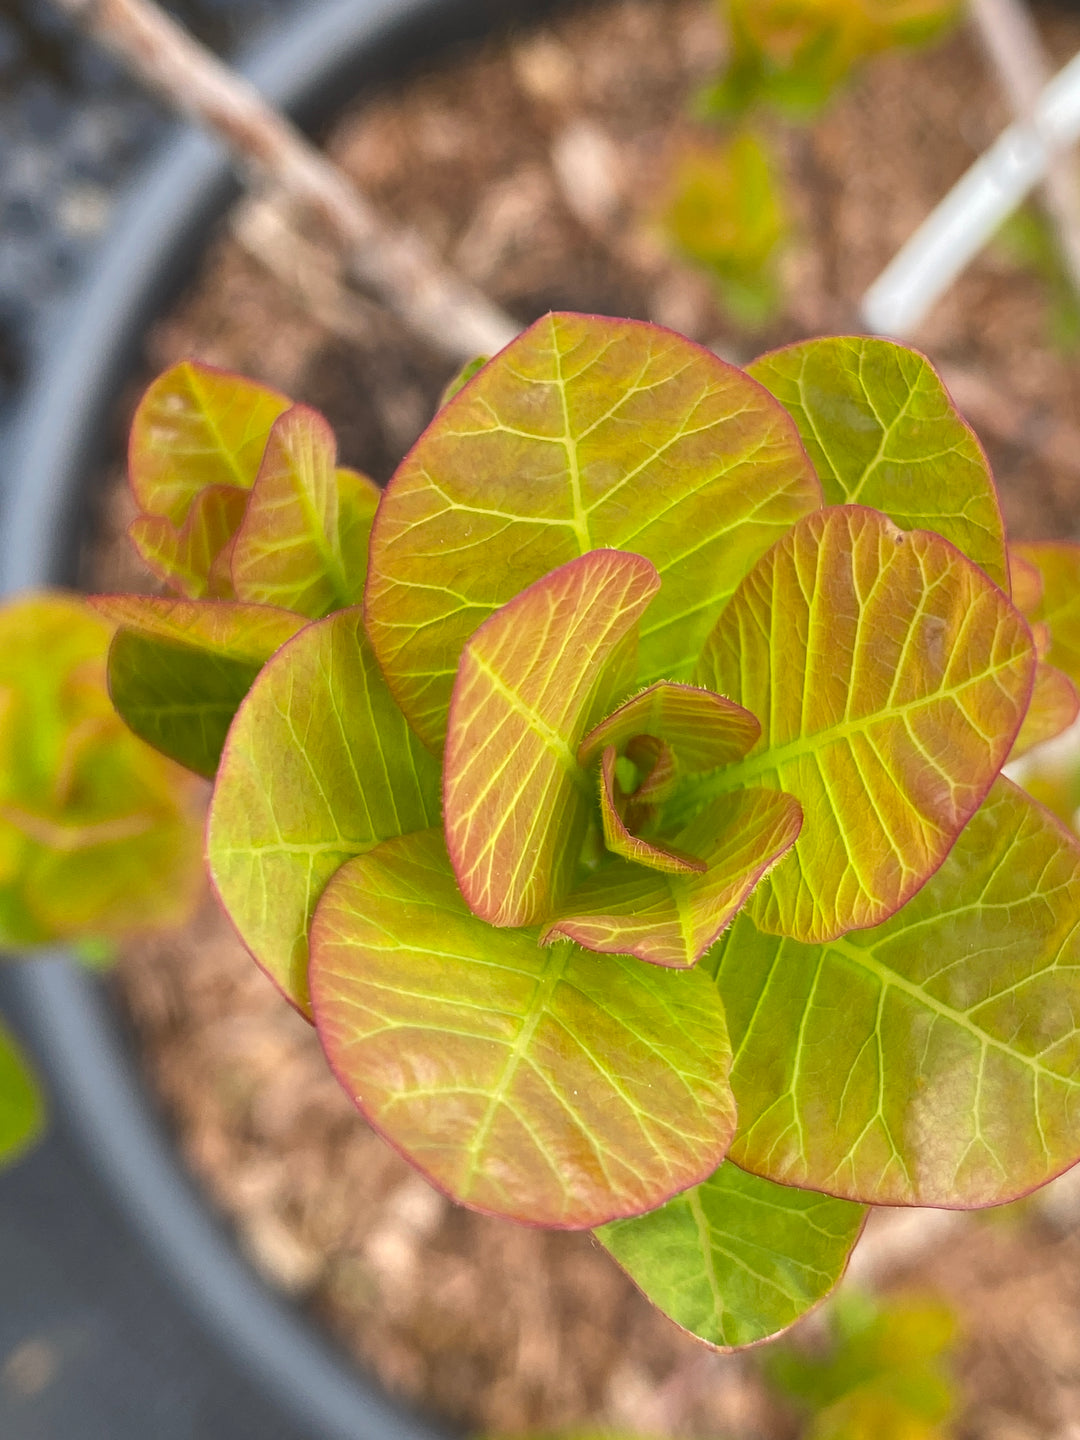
{"points": [[638, 845]]}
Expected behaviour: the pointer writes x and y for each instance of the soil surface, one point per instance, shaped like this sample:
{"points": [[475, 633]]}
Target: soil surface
{"points": [[538, 168]]}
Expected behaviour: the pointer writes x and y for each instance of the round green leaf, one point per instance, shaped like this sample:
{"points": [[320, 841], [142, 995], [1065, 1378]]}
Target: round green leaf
{"points": [[583, 434], [890, 677], [319, 765], [934, 1060], [882, 431], [737, 1259], [543, 1084]]}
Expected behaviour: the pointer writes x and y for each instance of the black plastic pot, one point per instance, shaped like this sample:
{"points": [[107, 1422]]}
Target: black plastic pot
{"points": [[330, 51]]}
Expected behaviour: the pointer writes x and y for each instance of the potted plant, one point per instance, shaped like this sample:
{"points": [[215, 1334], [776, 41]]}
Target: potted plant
{"points": [[699, 794]]}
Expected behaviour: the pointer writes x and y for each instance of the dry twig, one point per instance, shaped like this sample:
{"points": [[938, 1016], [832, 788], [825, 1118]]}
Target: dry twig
{"points": [[392, 262]]}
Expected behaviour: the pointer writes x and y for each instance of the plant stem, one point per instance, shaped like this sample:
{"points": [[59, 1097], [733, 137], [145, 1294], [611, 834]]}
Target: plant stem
{"points": [[395, 263]]}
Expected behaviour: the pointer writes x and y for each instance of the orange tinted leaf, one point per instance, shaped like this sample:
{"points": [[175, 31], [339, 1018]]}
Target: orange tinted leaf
{"points": [[584, 433], [891, 678], [672, 919], [184, 555], [1054, 706], [197, 428], [528, 1082], [1058, 564], [531, 682], [619, 839], [288, 550], [1026, 583], [703, 730]]}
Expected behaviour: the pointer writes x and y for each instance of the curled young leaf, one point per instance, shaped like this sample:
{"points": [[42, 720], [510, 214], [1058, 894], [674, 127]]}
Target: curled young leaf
{"points": [[703, 730], [526, 1082], [583, 433], [882, 431], [530, 684], [319, 765], [932, 1060], [619, 838], [891, 678], [737, 1259], [672, 919]]}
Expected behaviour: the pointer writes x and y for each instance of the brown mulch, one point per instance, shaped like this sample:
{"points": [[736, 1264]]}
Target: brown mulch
{"points": [[537, 167]]}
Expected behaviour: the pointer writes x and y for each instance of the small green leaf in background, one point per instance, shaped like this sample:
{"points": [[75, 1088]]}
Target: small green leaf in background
{"points": [[737, 1259], [1057, 563], [546, 1085], [178, 669], [584, 433], [1027, 237], [885, 1376], [22, 1105], [725, 213], [934, 1060], [319, 766], [793, 54], [99, 836], [890, 677], [532, 680], [462, 378], [882, 431]]}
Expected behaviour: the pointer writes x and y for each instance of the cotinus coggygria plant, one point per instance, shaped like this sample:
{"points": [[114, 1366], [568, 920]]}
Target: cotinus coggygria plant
{"points": [[620, 792]]}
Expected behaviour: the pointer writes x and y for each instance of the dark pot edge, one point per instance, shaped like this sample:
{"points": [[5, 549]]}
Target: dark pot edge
{"points": [[307, 66]]}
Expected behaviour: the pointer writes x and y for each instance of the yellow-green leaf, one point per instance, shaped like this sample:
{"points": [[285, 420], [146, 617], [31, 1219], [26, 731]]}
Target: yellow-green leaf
{"points": [[198, 427], [882, 431], [737, 1259], [531, 682], [890, 677], [672, 919], [584, 433], [319, 765], [935, 1059], [541, 1084]]}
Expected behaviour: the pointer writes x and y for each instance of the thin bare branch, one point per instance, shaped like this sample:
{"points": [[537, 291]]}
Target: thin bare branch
{"points": [[392, 262]]}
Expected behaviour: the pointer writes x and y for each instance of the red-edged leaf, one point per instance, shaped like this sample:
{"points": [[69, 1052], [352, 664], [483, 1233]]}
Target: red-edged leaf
{"points": [[197, 428], [673, 919], [703, 730], [621, 841], [1058, 564], [935, 1059], [541, 1084], [178, 669], [882, 431], [319, 765], [184, 555], [1053, 708], [288, 550], [891, 678], [584, 433], [531, 682], [1026, 583]]}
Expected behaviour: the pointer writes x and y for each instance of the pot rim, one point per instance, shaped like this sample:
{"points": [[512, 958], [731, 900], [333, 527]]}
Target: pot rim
{"points": [[88, 345]]}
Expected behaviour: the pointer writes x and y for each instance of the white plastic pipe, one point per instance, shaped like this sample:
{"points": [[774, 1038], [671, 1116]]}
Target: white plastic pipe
{"points": [[954, 233]]}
